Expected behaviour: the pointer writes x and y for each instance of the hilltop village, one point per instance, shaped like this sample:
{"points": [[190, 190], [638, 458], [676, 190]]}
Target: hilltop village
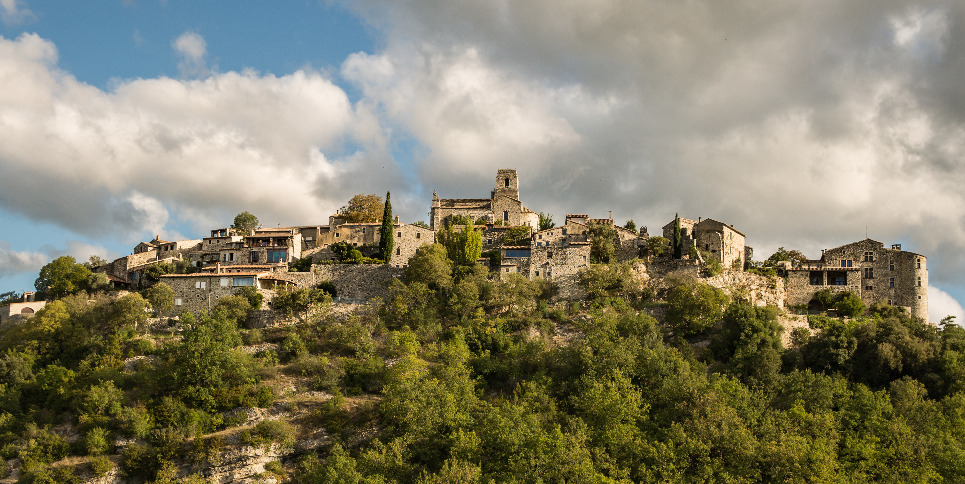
{"points": [[514, 243]]}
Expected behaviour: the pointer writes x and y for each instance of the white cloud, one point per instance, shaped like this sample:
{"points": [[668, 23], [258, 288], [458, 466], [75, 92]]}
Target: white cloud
{"points": [[941, 304], [807, 127], [192, 51], [14, 262], [131, 162], [13, 12]]}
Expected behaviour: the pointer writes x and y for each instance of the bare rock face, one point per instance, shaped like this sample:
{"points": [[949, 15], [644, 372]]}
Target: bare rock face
{"points": [[243, 464]]}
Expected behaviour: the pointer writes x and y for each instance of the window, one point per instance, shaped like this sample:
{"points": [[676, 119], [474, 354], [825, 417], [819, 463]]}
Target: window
{"points": [[919, 282], [243, 281], [418, 235], [399, 235], [506, 215], [891, 282], [200, 284], [869, 256], [837, 278], [224, 281], [918, 264], [869, 273], [564, 231], [816, 278], [254, 256], [177, 302], [337, 235], [537, 273], [847, 263], [549, 255], [363, 230], [868, 288], [398, 251], [891, 265], [540, 237], [506, 182], [276, 256], [517, 252]]}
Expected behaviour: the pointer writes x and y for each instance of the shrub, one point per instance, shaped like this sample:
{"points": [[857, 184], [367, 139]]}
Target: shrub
{"points": [[98, 441], [268, 432], [101, 465]]}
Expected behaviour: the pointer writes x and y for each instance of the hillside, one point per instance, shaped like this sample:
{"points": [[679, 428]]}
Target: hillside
{"points": [[454, 377]]}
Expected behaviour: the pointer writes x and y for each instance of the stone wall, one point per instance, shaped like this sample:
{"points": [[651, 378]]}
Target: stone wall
{"points": [[759, 290], [800, 291], [876, 273], [355, 281], [195, 299]]}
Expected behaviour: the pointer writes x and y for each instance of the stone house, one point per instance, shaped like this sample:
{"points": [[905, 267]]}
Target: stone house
{"points": [[201, 291], [21, 310], [503, 205], [875, 273], [722, 241], [406, 239], [271, 246]]}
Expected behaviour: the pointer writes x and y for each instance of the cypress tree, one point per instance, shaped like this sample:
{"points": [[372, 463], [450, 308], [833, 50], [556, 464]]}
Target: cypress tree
{"points": [[386, 241], [678, 243]]}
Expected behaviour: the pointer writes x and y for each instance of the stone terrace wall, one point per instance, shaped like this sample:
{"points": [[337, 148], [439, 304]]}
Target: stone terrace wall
{"points": [[358, 281], [760, 290]]}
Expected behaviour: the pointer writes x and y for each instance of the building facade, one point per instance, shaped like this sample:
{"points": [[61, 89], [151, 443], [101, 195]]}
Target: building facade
{"points": [[869, 269]]}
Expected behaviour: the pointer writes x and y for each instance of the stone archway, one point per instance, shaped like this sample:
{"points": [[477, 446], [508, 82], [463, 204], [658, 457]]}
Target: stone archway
{"points": [[26, 311], [815, 306]]}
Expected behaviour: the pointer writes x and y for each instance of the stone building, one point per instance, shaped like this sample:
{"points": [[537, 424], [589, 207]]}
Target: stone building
{"points": [[201, 291], [21, 310], [722, 241], [366, 237], [876, 273], [503, 206]]}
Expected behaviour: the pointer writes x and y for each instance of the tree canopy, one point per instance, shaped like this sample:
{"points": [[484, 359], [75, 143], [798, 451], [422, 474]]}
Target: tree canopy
{"points": [[363, 208], [244, 223], [63, 276]]}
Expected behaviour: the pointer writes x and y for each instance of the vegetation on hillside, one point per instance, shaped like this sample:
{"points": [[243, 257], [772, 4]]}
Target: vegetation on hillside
{"points": [[454, 377]]}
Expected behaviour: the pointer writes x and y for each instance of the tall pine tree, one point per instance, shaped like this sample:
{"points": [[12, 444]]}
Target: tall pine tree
{"points": [[678, 243], [386, 241]]}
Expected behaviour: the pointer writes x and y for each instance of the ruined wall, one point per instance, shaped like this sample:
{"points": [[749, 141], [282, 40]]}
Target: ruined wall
{"points": [[358, 281]]}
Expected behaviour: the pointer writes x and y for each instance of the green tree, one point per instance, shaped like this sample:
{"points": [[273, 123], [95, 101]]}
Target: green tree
{"points": [[254, 297], [678, 243], [463, 247], [387, 231], [694, 307], [631, 225], [783, 254], [161, 297], [546, 221], [750, 342], [517, 236], [244, 223], [61, 277], [602, 237], [849, 304], [363, 208], [658, 246], [431, 266]]}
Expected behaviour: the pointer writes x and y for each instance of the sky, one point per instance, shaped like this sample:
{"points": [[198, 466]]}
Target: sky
{"points": [[806, 125]]}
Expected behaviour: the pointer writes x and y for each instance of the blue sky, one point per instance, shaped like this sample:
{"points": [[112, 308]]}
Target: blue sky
{"points": [[805, 126]]}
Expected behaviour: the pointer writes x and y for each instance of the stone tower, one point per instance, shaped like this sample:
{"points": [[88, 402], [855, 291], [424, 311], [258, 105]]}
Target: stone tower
{"points": [[507, 184]]}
